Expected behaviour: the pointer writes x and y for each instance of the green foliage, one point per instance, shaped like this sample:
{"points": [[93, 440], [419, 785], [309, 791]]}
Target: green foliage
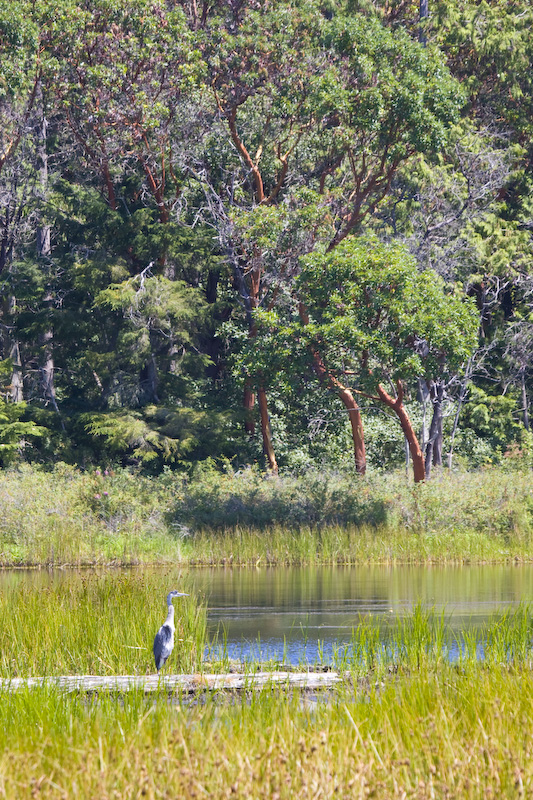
{"points": [[157, 435], [489, 46], [18, 50], [494, 503], [16, 434], [384, 317], [17, 430], [501, 248], [402, 82], [183, 141], [64, 516], [372, 313], [246, 499], [493, 419]]}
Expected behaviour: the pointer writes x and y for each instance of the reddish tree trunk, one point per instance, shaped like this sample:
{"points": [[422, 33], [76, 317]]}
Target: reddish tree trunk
{"points": [[248, 403], [396, 404], [347, 398], [357, 428], [265, 430]]}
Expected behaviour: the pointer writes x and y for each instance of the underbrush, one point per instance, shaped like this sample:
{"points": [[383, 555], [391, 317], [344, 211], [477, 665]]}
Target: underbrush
{"points": [[71, 517], [489, 500]]}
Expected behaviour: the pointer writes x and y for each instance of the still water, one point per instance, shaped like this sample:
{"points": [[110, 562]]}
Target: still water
{"points": [[284, 613], [299, 615]]}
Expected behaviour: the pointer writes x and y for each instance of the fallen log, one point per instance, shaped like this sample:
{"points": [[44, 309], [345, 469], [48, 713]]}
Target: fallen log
{"points": [[187, 684]]}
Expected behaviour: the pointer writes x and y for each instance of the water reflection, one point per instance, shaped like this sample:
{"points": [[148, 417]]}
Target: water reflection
{"points": [[283, 613]]}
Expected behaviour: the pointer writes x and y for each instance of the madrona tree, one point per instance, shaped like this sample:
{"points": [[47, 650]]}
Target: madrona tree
{"points": [[338, 116], [372, 322]]}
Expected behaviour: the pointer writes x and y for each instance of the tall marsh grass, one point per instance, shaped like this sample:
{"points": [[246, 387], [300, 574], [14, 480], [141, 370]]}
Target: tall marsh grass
{"points": [[408, 722], [69, 517], [96, 623], [492, 501], [451, 733]]}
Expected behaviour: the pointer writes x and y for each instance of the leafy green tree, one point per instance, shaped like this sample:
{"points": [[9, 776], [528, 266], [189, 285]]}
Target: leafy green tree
{"points": [[121, 72], [372, 315], [19, 74], [318, 98], [165, 166]]}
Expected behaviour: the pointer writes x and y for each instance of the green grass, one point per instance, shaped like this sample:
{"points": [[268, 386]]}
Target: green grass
{"points": [[407, 721], [351, 545], [102, 622], [69, 517], [425, 729], [96, 623]]}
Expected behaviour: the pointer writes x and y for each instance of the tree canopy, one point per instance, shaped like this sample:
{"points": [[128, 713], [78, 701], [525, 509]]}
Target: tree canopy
{"points": [[230, 230]]}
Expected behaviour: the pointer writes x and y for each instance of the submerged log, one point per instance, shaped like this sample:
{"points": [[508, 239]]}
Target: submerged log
{"points": [[187, 684]]}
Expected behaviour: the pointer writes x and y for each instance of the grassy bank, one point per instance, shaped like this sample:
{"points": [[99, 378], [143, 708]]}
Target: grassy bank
{"points": [[407, 723], [98, 624], [69, 517], [418, 715], [446, 735]]}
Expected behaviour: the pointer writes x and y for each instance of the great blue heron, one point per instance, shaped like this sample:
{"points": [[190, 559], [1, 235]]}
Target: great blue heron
{"points": [[164, 638]]}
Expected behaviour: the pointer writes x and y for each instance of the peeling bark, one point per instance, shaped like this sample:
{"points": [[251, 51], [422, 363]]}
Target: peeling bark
{"points": [[357, 427]]}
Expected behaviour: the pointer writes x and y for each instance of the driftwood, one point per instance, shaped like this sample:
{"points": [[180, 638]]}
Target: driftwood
{"points": [[179, 683]]}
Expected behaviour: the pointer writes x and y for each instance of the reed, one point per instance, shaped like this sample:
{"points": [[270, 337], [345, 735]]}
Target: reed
{"points": [[449, 733], [408, 720], [68, 517], [103, 623], [96, 623]]}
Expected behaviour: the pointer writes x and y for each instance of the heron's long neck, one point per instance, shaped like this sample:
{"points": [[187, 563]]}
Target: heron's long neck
{"points": [[170, 616]]}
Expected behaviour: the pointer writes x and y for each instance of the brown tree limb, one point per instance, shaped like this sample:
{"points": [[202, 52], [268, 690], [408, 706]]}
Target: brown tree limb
{"points": [[345, 394], [396, 404], [239, 144]]}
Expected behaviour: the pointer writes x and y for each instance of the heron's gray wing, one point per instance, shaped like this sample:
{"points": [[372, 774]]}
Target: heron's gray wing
{"points": [[162, 645]]}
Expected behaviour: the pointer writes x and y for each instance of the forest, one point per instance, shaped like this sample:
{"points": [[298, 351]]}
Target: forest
{"points": [[286, 234]]}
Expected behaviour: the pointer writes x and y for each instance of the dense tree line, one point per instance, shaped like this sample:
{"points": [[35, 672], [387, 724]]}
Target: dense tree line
{"points": [[266, 231]]}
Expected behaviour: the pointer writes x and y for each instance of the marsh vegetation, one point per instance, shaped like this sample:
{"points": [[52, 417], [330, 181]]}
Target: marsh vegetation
{"points": [[66, 516], [405, 722], [421, 712]]}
